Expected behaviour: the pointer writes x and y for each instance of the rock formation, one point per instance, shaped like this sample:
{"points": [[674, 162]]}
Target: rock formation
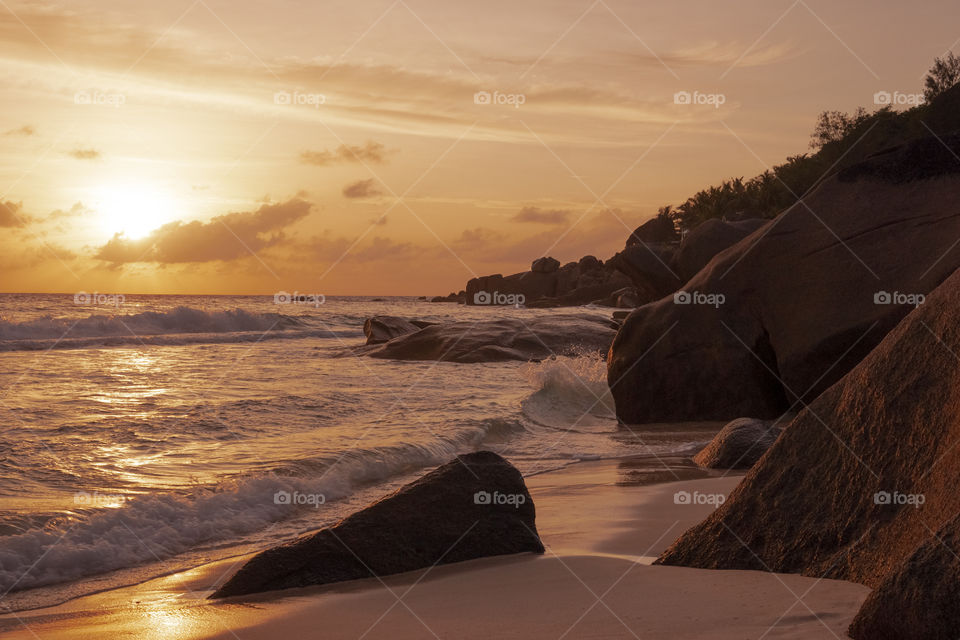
{"points": [[781, 315], [500, 338], [739, 444], [474, 506], [857, 485]]}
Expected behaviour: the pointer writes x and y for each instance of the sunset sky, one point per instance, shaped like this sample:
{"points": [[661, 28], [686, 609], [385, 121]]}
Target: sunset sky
{"points": [[214, 146]]}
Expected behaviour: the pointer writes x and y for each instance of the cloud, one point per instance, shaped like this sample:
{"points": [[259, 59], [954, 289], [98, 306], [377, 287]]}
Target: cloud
{"points": [[84, 154], [78, 209], [10, 214], [25, 130], [362, 189], [371, 152], [226, 237], [479, 238], [542, 216]]}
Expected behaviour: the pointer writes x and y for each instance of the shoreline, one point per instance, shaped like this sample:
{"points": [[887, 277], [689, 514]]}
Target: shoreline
{"points": [[600, 526]]}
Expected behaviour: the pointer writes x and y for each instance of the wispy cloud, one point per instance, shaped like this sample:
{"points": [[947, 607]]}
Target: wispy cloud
{"points": [[542, 216], [362, 189], [371, 152], [85, 154], [25, 130]]}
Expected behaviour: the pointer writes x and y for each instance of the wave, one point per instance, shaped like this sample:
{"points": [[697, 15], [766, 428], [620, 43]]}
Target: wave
{"points": [[571, 393], [181, 325], [118, 532]]}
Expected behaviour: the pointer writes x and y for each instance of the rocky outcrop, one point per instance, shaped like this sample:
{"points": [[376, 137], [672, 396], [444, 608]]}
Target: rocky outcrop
{"points": [[739, 444], [860, 479], [649, 267], [778, 317], [657, 230], [499, 339], [460, 298], [548, 284], [472, 507], [545, 265], [918, 601], [380, 329]]}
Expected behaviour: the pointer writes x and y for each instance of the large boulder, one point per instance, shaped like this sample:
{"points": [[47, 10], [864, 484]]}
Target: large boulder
{"points": [[917, 601], [657, 230], [860, 479], [380, 329], [472, 507], [739, 444], [545, 265], [499, 339], [708, 239], [649, 267], [780, 316]]}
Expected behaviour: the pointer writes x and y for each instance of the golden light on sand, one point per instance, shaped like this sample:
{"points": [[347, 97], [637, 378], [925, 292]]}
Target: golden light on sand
{"points": [[134, 209]]}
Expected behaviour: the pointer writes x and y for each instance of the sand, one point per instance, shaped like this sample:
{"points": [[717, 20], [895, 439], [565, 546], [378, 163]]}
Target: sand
{"points": [[601, 531]]}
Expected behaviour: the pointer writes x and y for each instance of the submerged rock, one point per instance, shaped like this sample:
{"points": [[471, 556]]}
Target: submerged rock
{"points": [[475, 506], [380, 329], [498, 339], [859, 480], [739, 444]]}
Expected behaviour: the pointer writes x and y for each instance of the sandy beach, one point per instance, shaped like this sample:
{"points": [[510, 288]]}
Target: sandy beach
{"points": [[602, 530]]}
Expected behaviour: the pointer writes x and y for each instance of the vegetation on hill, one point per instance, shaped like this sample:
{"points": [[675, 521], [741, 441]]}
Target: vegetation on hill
{"points": [[839, 140]]}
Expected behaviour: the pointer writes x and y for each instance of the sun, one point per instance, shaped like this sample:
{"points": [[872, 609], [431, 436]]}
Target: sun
{"points": [[133, 210]]}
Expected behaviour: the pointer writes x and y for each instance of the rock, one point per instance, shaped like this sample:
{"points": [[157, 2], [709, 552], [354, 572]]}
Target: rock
{"points": [[649, 268], [917, 601], [451, 297], [545, 265], [859, 479], [379, 329], [422, 298], [472, 507], [573, 284], [739, 444], [707, 240], [627, 298], [658, 230], [498, 339], [798, 303], [589, 263]]}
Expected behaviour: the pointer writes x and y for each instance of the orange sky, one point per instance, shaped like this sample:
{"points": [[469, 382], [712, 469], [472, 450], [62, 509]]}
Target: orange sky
{"points": [[216, 146]]}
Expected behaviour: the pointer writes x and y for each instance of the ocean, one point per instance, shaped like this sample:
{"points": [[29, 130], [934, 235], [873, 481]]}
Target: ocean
{"points": [[141, 435]]}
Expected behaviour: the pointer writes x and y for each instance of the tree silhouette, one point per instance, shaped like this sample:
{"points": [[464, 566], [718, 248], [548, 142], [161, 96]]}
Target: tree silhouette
{"points": [[944, 74]]}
